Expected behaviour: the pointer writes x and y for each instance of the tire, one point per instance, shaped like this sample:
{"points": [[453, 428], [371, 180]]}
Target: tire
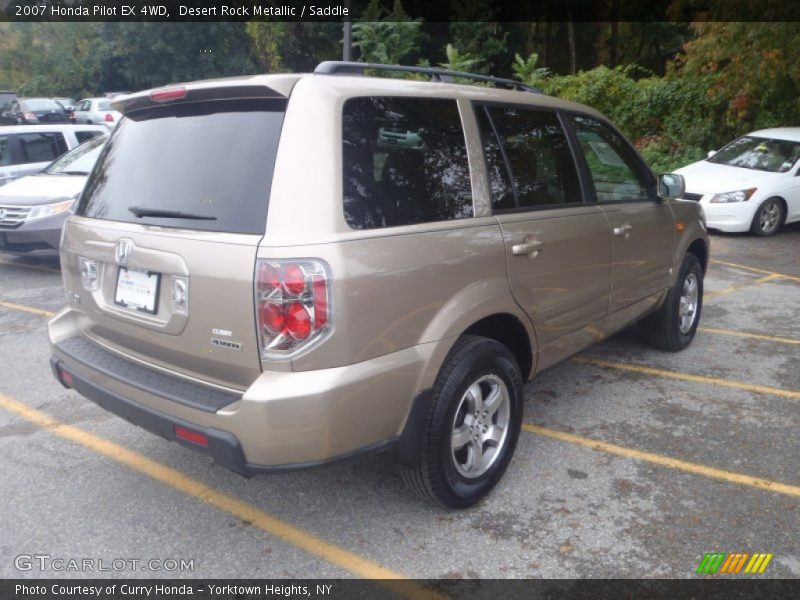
{"points": [[672, 327], [457, 478], [768, 218]]}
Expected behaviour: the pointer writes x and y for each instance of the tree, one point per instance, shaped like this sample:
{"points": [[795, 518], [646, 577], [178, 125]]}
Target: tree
{"points": [[386, 37], [752, 67]]}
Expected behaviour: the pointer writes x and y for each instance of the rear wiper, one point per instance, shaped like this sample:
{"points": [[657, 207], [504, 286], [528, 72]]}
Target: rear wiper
{"points": [[141, 211]]}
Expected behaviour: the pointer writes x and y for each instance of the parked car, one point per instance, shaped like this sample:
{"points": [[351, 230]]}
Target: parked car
{"points": [[404, 257], [33, 208], [31, 111], [26, 149], [752, 184], [97, 110]]}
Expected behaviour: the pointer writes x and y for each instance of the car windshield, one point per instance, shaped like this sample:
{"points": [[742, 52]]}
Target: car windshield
{"points": [[104, 105], [762, 154], [80, 160], [40, 104]]}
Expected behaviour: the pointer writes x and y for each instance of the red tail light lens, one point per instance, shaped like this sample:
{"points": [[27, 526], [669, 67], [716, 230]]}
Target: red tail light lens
{"points": [[109, 118], [293, 299], [168, 94], [195, 437], [298, 321], [294, 279]]}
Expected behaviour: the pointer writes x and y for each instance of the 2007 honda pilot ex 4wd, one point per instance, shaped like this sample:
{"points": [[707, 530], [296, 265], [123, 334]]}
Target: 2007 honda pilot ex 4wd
{"points": [[285, 270]]}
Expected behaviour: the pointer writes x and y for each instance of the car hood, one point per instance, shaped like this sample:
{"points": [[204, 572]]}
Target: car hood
{"points": [[41, 189], [705, 177]]}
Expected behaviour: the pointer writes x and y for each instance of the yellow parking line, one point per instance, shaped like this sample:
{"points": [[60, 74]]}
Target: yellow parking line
{"points": [[748, 387], [665, 461], [205, 493], [738, 286], [755, 336], [754, 269], [29, 266], [28, 309]]}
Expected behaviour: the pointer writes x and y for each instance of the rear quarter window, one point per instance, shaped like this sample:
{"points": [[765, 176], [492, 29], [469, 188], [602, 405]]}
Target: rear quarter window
{"points": [[404, 162]]}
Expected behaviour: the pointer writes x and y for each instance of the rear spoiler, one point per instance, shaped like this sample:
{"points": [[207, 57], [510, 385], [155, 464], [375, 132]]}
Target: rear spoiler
{"points": [[202, 92]]}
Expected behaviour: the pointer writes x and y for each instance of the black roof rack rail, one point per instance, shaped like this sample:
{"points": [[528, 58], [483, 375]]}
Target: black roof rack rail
{"points": [[338, 67]]}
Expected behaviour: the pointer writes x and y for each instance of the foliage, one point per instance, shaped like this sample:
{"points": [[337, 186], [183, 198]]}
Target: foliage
{"points": [[527, 71], [458, 61], [387, 37]]}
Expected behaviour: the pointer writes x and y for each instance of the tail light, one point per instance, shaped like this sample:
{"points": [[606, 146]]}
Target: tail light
{"points": [[30, 116], [293, 306], [109, 118]]}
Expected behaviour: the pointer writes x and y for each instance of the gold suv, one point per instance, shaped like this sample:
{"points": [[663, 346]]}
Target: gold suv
{"points": [[287, 270]]}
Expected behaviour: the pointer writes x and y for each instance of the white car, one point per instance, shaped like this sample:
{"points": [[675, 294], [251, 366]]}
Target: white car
{"points": [[752, 184], [96, 111]]}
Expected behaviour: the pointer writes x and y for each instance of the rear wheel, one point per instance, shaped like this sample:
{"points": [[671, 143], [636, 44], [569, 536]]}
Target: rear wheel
{"points": [[768, 218], [472, 425], [672, 327]]}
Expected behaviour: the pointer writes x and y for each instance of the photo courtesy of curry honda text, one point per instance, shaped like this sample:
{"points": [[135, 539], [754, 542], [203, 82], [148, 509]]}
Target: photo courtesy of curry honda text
{"points": [[287, 270]]}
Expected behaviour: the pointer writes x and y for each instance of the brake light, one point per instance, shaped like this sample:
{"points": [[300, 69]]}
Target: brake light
{"points": [[30, 116], [166, 94], [109, 118], [293, 299]]}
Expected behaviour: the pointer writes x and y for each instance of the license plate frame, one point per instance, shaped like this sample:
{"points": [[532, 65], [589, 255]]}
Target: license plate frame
{"points": [[133, 300]]}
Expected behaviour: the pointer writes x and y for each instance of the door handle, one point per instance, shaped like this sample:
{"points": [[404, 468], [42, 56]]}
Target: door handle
{"points": [[528, 246], [623, 230]]}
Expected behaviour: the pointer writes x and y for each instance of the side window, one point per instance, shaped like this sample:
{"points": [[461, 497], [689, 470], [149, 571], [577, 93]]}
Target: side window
{"points": [[404, 162], [82, 136], [615, 170], [528, 157], [5, 150], [41, 147]]}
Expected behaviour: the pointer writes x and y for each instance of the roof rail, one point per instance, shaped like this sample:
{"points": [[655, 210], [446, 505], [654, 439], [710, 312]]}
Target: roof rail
{"points": [[338, 67]]}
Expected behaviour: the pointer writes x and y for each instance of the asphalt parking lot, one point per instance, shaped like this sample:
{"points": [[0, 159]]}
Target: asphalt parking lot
{"points": [[633, 462]]}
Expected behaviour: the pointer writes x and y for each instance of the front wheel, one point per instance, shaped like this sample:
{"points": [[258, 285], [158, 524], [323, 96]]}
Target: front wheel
{"points": [[672, 327], [768, 218], [472, 425]]}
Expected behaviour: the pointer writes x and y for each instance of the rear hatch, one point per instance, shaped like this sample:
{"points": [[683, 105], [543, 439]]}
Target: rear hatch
{"points": [[161, 252]]}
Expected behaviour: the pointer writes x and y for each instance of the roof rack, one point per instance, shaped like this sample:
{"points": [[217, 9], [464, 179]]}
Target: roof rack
{"points": [[338, 67]]}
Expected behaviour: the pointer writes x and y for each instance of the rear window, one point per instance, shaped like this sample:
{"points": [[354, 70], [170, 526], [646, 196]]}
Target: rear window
{"points": [[41, 104], [209, 165], [405, 162], [104, 105]]}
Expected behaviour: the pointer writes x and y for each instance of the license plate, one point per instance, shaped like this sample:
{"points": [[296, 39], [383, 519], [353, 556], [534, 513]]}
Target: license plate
{"points": [[137, 290]]}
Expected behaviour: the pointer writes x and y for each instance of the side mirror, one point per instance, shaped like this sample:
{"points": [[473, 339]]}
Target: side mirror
{"points": [[671, 185], [711, 153]]}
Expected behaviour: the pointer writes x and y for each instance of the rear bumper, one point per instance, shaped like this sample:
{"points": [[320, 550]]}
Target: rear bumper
{"points": [[283, 421]]}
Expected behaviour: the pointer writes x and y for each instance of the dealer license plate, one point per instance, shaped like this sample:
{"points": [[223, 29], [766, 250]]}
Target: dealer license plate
{"points": [[137, 290]]}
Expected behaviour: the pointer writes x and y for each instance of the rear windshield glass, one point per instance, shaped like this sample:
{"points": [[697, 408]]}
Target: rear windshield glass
{"points": [[762, 154], [205, 166], [104, 105], [41, 104]]}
